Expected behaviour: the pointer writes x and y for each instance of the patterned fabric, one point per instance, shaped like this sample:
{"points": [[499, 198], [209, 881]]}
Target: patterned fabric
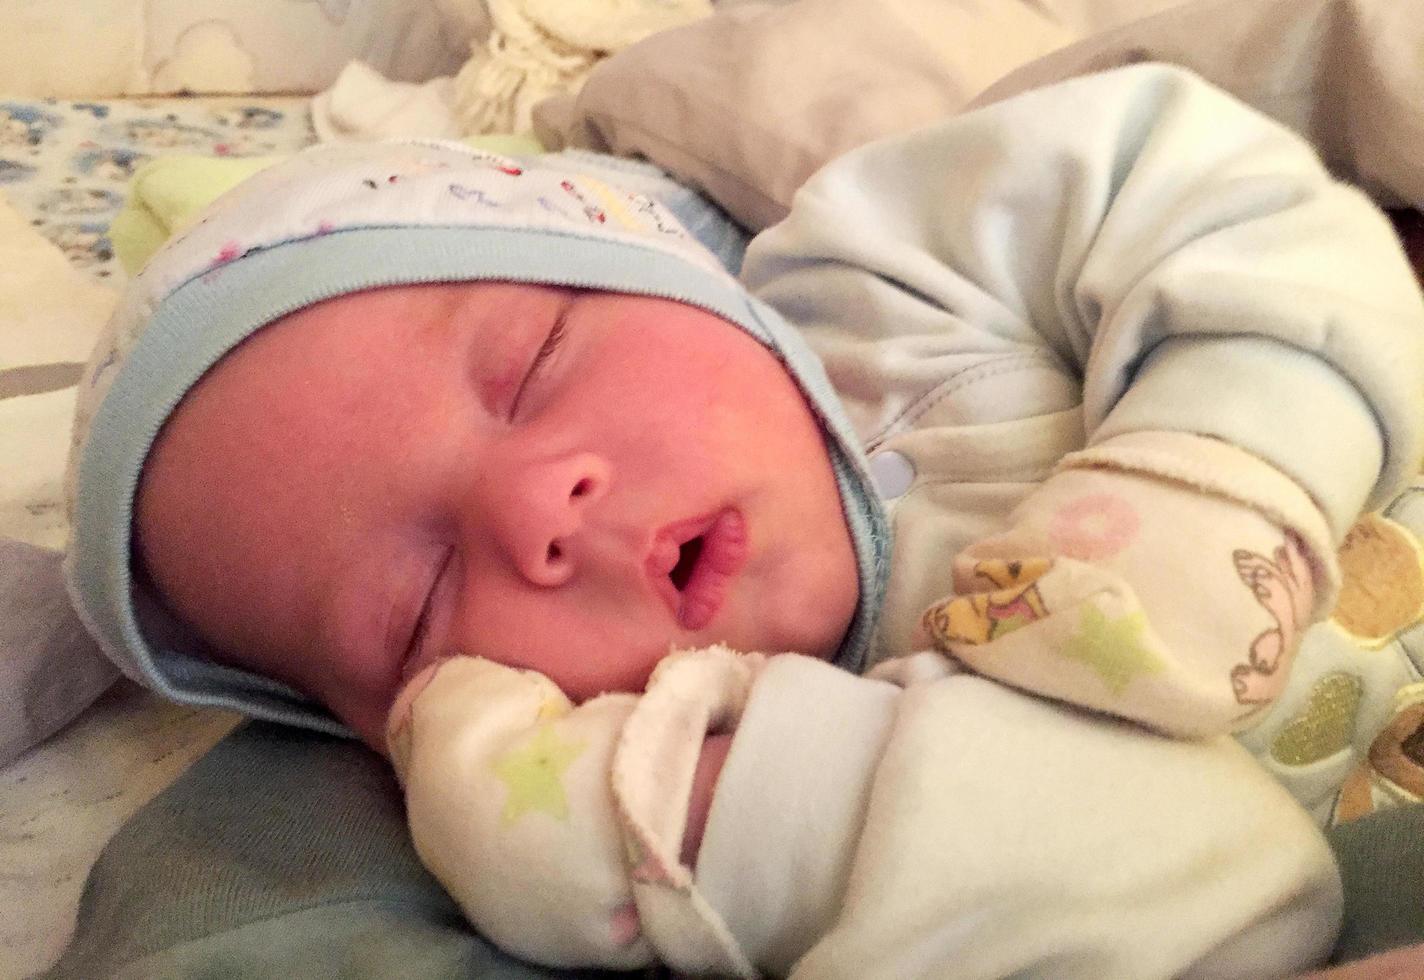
{"points": [[1339, 737], [65, 165]]}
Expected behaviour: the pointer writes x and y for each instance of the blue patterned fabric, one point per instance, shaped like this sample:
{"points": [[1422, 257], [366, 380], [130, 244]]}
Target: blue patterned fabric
{"points": [[66, 165]]}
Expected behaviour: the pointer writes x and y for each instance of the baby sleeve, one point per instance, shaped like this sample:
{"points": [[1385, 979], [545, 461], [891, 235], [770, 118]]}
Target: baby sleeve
{"points": [[1242, 335], [1187, 262]]}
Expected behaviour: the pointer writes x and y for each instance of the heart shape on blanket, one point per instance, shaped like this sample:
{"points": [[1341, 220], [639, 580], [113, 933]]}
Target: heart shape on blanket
{"points": [[1326, 726]]}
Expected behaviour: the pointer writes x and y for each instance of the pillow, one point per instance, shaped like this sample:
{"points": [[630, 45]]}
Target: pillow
{"points": [[49, 668], [1347, 74], [141, 47], [746, 104]]}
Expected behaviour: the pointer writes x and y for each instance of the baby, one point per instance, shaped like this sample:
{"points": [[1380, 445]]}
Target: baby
{"points": [[1126, 360]]}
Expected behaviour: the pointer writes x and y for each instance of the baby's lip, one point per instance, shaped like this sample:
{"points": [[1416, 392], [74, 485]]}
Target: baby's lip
{"points": [[723, 552]]}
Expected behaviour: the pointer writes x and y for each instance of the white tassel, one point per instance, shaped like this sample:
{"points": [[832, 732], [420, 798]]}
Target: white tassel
{"points": [[539, 48]]}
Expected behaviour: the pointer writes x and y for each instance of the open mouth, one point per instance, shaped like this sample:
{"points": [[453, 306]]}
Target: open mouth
{"points": [[693, 562]]}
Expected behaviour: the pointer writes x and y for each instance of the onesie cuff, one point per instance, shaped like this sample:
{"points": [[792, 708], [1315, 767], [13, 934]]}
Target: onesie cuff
{"points": [[790, 804], [1287, 406]]}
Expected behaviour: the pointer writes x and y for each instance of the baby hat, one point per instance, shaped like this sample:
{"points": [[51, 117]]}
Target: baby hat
{"points": [[337, 219]]}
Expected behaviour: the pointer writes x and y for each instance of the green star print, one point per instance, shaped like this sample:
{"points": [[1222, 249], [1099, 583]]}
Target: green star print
{"points": [[534, 775], [1113, 648]]}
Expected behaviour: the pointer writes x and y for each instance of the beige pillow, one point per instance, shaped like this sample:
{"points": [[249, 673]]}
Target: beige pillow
{"points": [[1348, 74], [748, 103]]}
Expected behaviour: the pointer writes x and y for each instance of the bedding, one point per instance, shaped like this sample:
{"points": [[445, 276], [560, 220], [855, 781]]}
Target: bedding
{"points": [[749, 103], [744, 104], [1349, 74], [51, 670], [65, 165]]}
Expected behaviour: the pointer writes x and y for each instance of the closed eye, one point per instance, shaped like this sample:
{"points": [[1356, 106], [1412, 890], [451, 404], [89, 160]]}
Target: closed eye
{"points": [[546, 351]]}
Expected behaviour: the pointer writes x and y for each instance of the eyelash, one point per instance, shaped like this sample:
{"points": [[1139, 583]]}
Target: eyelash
{"points": [[547, 350]]}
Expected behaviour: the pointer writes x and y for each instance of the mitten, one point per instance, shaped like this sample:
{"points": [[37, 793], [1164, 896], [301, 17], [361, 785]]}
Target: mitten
{"points": [[1161, 577], [509, 801]]}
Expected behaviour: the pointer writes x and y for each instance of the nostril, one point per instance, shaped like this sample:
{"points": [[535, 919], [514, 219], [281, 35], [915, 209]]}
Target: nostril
{"points": [[555, 552], [582, 488]]}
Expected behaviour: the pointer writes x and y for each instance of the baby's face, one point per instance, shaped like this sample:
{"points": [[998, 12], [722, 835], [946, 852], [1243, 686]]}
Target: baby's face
{"points": [[555, 479]]}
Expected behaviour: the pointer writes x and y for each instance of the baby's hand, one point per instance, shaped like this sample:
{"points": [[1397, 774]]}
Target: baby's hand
{"points": [[1167, 579], [510, 807], [568, 834]]}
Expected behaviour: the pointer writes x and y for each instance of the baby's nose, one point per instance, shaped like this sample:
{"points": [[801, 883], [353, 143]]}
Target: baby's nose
{"points": [[558, 498]]}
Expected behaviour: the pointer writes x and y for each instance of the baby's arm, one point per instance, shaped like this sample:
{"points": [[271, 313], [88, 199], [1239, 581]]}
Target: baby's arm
{"points": [[925, 817], [1241, 333]]}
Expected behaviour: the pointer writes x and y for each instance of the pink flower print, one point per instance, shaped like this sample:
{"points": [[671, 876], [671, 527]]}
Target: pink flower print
{"points": [[325, 228], [1094, 527], [227, 253]]}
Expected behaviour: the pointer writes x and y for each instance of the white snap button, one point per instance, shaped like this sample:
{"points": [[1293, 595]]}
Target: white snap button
{"points": [[892, 472]]}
